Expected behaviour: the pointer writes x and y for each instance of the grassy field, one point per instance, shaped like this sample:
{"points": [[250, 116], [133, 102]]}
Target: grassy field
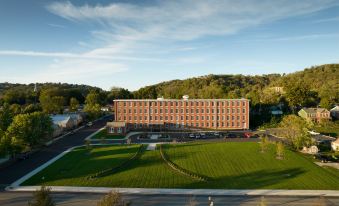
{"points": [[104, 135], [230, 165]]}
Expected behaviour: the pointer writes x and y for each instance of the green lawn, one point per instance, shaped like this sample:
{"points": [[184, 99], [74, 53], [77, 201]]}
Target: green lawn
{"points": [[241, 165], [230, 165], [104, 135]]}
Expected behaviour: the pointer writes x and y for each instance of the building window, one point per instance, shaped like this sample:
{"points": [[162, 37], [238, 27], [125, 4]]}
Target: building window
{"points": [[202, 110], [202, 117], [119, 130]]}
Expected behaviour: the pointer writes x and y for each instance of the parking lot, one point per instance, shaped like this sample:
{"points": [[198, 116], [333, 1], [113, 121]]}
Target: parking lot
{"points": [[194, 136]]}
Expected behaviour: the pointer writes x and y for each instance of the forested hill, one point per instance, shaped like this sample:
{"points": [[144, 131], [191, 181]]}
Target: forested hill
{"points": [[24, 93], [310, 87], [317, 83]]}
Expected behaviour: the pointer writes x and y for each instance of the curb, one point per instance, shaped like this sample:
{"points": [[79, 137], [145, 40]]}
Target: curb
{"points": [[94, 133], [159, 191]]}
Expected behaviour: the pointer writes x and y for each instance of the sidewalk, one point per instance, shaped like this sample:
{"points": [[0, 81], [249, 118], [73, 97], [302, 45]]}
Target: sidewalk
{"points": [[157, 191]]}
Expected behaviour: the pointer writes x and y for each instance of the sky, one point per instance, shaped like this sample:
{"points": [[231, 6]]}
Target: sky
{"points": [[132, 44]]}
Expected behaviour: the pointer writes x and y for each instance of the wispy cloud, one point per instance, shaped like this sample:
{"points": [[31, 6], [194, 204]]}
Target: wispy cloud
{"points": [[95, 54], [57, 25], [327, 20], [139, 32]]}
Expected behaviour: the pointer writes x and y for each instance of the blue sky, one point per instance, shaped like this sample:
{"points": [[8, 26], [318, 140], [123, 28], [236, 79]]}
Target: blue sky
{"points": [[137, 43]]}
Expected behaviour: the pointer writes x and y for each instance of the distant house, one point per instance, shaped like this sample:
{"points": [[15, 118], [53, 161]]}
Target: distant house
{"points": [[57, 130], [335, 145], [63, 121], [279, 90], [116, 127], [314, 114], [76, 118], [335, 112]]}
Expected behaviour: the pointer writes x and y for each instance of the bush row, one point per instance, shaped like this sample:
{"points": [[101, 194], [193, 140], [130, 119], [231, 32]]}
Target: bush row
{"points": [[112, 170], [180, 169]]}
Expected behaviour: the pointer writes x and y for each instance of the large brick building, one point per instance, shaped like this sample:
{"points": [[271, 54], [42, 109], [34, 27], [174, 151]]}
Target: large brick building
{"points": [[183, 113]]}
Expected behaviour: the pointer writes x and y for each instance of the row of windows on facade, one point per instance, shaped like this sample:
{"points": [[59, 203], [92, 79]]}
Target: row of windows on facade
{"points": [[187, 111], [181, 103], [202, 124], [182, 118], [321, 115]]}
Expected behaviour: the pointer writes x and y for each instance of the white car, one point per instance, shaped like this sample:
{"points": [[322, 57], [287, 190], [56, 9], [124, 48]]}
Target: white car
{"points": [[89, 124]]}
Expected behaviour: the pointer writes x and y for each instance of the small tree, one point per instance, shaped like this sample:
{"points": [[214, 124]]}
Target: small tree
{"points": [[112, 199], [280, 150], [42, 197], [129, 141], [264, 143], [73, 104]]}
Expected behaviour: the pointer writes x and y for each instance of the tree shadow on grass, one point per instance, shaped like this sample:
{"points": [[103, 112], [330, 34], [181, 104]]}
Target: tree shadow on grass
{"points": [[255, 180]]}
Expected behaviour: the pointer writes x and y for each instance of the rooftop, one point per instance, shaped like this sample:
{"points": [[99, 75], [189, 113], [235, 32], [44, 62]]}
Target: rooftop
{"points": [[315, 110]]}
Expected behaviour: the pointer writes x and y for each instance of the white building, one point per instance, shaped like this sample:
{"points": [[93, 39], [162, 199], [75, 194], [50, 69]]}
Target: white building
{"points": [[335, 145]]}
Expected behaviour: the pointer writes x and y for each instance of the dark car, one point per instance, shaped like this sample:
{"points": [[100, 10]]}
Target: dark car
{"points": [[231, 135], [327, 157]]}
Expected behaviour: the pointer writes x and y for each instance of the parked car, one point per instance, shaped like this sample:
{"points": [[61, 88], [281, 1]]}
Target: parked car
{"points": [[231, 135], [89, 124], [197, 136], [192, 136], [203, 135], [247, 135]]}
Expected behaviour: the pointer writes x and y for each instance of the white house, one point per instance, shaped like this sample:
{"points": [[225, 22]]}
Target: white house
{"points": [[335, 145], [63, 121]]}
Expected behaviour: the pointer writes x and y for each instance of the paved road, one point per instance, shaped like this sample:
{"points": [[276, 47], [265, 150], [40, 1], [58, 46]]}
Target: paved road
{"points": [[90, 199], [18, 169]]}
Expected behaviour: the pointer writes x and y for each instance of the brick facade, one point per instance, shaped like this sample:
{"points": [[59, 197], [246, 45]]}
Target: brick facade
{"points": [[184, 113]]}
